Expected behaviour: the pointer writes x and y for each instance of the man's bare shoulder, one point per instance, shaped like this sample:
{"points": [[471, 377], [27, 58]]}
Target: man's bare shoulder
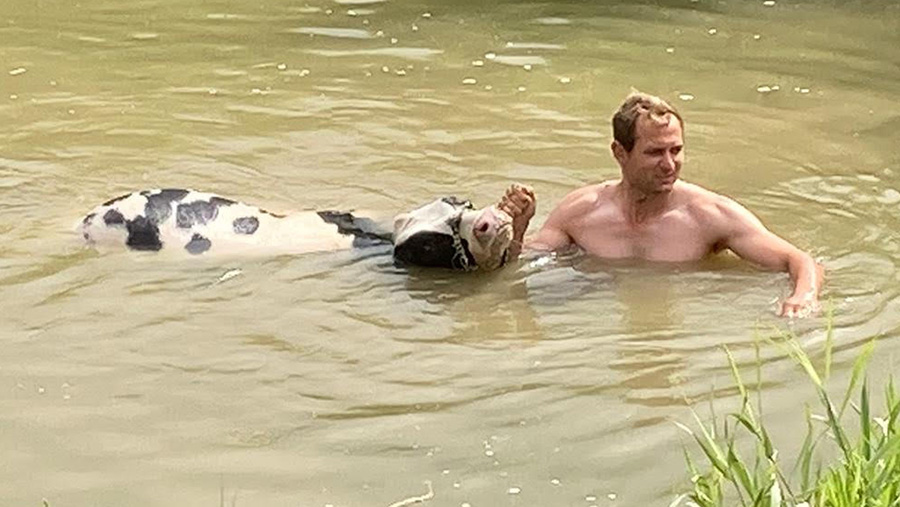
{"points": [[701, 199], [587, 197], [577, 205], [712, 208]]}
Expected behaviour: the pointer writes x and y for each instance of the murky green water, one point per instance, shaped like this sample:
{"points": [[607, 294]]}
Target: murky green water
{"points": [[338, 379]]}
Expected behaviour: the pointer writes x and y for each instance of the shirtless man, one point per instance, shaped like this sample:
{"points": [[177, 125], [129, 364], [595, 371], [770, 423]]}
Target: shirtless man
{"points": [[650, 214]]}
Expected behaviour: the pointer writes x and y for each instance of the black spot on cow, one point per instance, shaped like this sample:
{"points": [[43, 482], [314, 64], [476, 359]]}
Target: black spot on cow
{"points": [[142, 234], [159, 205], [115, 200], [113, 217], [197, 245], [175, 194], [197, 212], [245, 225], [276, 215], [87, 220], [365, 231], [221, 201]]}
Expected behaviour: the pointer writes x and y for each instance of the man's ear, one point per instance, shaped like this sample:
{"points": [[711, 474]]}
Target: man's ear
{"points": [[619, 152]]}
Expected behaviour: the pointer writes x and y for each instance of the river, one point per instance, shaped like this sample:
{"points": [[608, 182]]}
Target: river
{"points": [[340, 379]]}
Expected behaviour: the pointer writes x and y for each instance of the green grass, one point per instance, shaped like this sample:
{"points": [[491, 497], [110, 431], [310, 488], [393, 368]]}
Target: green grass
{"points": [[865, 448]]}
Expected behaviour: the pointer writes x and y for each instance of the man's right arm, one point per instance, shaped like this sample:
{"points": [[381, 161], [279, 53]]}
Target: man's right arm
{"points": [[519, 203], [554, 235], [551, 237]]}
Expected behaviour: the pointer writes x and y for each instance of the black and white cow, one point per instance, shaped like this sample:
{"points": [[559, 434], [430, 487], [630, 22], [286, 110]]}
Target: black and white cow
{"points": [[447, 233]]}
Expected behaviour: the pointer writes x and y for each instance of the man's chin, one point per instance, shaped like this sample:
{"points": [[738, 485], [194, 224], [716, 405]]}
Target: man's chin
{"points": [[667, 186]]}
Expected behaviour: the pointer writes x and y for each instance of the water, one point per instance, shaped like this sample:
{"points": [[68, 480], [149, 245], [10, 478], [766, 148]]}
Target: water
{"points": [[339, 379]]}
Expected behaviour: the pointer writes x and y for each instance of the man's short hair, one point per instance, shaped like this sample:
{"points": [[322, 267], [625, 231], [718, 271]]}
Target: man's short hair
{"points": [[638, 105]]}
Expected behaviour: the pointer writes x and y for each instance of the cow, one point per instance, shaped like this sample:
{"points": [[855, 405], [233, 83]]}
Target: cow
{"points": [[446, 233]]}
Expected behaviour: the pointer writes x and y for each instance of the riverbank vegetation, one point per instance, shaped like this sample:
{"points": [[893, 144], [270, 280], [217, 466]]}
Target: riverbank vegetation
{"points": [[850, 456]]}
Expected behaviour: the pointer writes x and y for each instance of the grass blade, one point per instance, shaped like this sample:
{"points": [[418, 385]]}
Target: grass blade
{"points": [[829, 340], [862, 360], [865, 422]]}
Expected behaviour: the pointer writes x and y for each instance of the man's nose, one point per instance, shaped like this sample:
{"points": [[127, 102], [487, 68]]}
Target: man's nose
{"points": [[668, 162]]}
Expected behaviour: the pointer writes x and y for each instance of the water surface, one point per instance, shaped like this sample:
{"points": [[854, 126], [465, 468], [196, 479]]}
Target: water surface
{"points": [[340, 379]]}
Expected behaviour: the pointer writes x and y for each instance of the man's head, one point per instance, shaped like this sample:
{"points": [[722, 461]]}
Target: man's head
{"points": [[649, 142], [450, 233]]}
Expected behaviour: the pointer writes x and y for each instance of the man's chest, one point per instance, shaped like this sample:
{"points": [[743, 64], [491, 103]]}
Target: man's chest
{"points": [[673, 237]]}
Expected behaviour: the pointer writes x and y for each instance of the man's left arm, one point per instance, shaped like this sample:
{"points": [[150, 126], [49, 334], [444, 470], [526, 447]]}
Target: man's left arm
{"points": [[751, 240]]}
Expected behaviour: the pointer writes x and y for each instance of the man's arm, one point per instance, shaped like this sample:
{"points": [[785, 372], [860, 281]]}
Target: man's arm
{"points": [[748, 237], [519, 202], [555, 235], [552, 236]]}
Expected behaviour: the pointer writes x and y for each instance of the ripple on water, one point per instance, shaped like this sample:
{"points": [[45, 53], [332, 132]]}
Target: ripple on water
{"points": [[397, 52], [234, 364], [230, 72], [519, 60], [201, 119], [844, 191], [307, 9], [534, 45], [91, 39], [551, 21], [533, 112], [873, 273], [340, 33], [268, 111], [222, 16], [144, 36]]}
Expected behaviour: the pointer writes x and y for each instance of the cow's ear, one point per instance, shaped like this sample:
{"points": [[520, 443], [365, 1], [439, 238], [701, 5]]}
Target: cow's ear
{"points": [[400, 222]]}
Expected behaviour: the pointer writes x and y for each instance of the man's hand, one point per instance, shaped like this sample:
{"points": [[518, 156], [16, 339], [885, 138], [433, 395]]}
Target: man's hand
{"points": [[520, 204], [799, 306], [805, 299]]}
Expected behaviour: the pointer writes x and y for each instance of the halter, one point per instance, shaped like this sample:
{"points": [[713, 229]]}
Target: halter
{"points": [[462, 257]]}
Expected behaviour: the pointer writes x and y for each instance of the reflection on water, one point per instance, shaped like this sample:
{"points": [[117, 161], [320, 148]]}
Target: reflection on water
{"points": [[341, 379]]}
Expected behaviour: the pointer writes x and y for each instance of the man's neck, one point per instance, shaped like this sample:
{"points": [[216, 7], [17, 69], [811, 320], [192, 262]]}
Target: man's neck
{"points": [[639, 206]]}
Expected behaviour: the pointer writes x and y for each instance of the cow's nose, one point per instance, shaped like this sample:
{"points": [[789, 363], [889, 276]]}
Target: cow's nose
{"points": [[485, 224], [482, 226]]}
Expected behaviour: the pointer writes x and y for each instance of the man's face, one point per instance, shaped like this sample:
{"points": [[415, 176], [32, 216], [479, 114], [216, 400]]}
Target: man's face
{"points": [[654, 163]]}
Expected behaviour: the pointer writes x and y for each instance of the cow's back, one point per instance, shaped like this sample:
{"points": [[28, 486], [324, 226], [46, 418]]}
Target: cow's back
{"points": [[197, 223]]}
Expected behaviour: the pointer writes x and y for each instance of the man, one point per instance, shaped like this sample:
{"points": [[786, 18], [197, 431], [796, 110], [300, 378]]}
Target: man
{"points": [[650, 214]]}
